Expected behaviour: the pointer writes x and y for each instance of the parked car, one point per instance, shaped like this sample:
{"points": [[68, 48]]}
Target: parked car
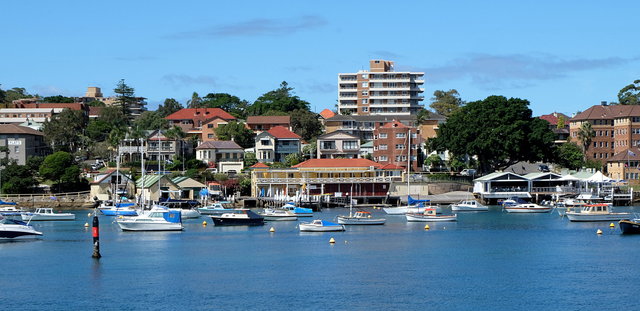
{"points": [[468, 172], [543, 168]]}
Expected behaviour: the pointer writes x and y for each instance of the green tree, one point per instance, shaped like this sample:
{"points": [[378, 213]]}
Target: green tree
{"points": [[423, 115], [250, 159], [446, 103], [585, 136], [58, 99], [569, 155], [434, 162], [310, 150], [195, 101], [15, 94], [306, 124], [3, 95], [561, 122], [151, 120], [96, 103], [281, 99], [630, 94], [170, 106], [61, 168], [97, 130], [232, 104], [293, 159], [236, 131], [125, 97], [499, 131], [18, 179], [63, 130]]}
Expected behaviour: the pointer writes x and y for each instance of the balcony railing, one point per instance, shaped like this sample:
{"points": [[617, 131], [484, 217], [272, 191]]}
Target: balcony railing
{"points": [[325, 180]]}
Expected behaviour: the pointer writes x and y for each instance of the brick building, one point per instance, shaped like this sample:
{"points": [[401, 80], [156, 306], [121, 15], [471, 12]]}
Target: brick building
{"points": [[391, 145]]}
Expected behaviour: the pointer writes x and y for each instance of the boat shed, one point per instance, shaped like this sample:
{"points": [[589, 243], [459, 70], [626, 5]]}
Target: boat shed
{"points": [[501, 185], [189, 187], [105, 184], [152, 187]]}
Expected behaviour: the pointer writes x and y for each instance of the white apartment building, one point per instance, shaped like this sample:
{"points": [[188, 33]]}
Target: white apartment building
{"points": [[380, 91]]}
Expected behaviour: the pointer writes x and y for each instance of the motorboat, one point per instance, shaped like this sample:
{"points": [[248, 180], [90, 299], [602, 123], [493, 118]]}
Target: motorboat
{"points": [[189, 213], [274, 214], [119, 209], [528, 208], [468, 206], [596, 212], [11, 229], [630, 226], [360, 218], [299, 211], [11, 211], [159, 218], [216, 208], [238, 217], [47, 213], [319, 225], [430, 215]]}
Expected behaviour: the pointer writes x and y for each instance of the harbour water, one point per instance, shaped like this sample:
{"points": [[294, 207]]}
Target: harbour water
{"points": [[485, 261]]}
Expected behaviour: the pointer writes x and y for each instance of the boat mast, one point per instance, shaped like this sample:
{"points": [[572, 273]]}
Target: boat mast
{"points": [[117, 176], [142, 198], [408, 162]]}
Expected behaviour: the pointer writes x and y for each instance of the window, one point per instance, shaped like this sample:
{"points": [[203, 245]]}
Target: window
{"points": [[400, 135], [16, 149], [210, 126], [365, 93], [398, 158], [365, 109], [365, 84], [365, 76], [399, 147], [265, 142], [328, 145], [365, 101], [350, 145], [210, 136], [384, 158], [383, 147], [383, 135]]}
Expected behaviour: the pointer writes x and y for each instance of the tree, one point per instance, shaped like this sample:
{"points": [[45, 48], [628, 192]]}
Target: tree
{"points": [[446, 103], [293, 159], [170, 106], [151, 120], [434, 162], [63, 130], [561, 122], [281, 99], [250, 159], [3, 95], [18, 179], [125, 97], [423, 115], [232, 104], [236, 131], [176, 133], [310, 150], [60, 167], [96, 103], [15, 94], [630, 94], [499, 131], [585, 135], [306, 124], [569, 155], [58, 99], [195, 101]]}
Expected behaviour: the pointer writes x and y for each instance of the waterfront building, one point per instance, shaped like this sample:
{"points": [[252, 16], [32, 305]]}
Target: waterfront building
{"points": [[189, 188], [380, 91], [259, 124], [276, 143], [336, 177], [22, 142], [200, 122], [505, 185], [104, 184], [338, 144], [625, 165], [395, 142], [154, 187], [224, 156], [157, 147]]}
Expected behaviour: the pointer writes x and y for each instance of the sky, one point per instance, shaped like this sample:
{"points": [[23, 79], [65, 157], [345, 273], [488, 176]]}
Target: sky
{"points": [[562, 56]]}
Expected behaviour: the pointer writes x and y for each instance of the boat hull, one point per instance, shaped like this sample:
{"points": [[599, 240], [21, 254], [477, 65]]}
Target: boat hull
{"points": [[314, 228], [120, 212], [17, 231], [469, 209], [542, 209], [223, 221], [408, 209], [629, 227], [430, 218], [48, 217], [577, 217], [279, 218], [360, 221], [127, 225], [189, 214]]}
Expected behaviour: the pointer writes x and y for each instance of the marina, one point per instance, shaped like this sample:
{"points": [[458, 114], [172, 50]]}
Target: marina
{"points": [[555, 258]]}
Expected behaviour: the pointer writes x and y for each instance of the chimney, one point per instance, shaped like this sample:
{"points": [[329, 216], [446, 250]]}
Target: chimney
{"points": [[603, 103]]}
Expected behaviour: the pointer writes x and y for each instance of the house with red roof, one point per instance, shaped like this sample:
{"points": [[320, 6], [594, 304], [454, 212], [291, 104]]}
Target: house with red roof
{"points": [[276, 143], [338, 144], [224, 156], [324, 115], [264, 123], [361, 179], [562, 131], [200, 122]]}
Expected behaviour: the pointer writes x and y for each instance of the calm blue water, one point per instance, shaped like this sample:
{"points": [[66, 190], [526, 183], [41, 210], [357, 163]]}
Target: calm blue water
{"points": [[485, 261]]}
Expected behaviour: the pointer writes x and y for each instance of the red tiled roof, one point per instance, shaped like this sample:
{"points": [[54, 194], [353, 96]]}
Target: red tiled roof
{"points": [[259, 165], [199, 114], [72, 106], [391, 166], [338, 163], [394, 123], [17, 129], [282, 132], [95, 111], [269, 120], [552, 118], [599, 112], [327, 113]]}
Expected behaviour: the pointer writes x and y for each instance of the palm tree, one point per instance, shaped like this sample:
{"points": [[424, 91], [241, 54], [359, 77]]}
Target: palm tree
{"points": [[176, 133], [585, 136]]}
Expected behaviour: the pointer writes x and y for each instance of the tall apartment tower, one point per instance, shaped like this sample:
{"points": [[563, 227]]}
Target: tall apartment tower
{"points": [[380, 91]]}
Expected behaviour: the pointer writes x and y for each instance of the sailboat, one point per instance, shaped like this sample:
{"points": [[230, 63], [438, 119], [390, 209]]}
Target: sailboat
{"points": [[360, 217], [158, 218], [116, 208], [413, 206]]}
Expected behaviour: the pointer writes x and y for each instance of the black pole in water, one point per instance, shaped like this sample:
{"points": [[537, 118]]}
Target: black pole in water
{"points": [[96, 237]]}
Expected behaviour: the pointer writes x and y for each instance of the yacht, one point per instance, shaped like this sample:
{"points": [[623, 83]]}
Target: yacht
{"points": [[527, 208], [430, 215], [596, 212], [274, 214], [216, 208], [11, 229], [360, 218], [468, 206], [299, 211], [238, 217], [46, 213], [108, 208], [159, 218], [630, 226], [318, 225]]}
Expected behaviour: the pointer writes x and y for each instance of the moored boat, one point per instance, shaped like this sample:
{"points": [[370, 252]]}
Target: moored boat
{"points": [[468, 206], [216, 208], [360, 218], [274, 214], [596, 212], [189, 213], [119, 209], [527, 208], [47, 213], [319, 225], [238, 217], [299, 211], [11, 229], [430, 215], [159, 218], [630, 226]]}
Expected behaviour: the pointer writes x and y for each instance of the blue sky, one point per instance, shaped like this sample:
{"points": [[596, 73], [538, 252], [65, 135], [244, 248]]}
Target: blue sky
{"points": [[560, 55]]}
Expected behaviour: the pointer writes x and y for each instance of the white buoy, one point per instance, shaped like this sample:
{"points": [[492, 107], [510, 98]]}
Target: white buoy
{"points": [[272, 230], [332, 241], [599, 231], [86, 224]]}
